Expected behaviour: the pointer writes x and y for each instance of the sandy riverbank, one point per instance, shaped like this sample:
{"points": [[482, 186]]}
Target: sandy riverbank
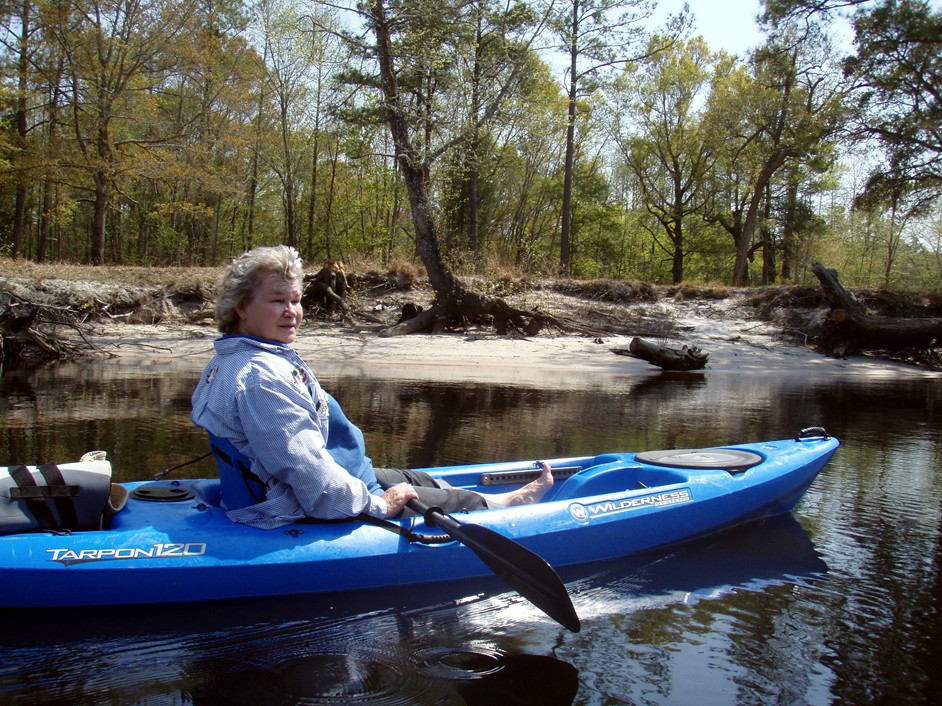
{"points": [[734, 346], [740, 330]]}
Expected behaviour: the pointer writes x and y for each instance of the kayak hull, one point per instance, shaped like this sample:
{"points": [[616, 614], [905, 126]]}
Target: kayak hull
{"points": [[182, 548]]}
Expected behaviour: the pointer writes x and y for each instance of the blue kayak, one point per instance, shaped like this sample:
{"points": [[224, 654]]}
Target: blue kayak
{"points": [[172, 542]]}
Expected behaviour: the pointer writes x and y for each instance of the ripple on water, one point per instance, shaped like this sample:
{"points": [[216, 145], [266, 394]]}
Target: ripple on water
{"points": [[388, 676]]}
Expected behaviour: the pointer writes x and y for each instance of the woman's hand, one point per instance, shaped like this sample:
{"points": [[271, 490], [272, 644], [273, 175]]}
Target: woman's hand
{"points": [[397, 497]]}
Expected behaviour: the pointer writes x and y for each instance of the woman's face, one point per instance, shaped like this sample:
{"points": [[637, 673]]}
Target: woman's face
{"points": [[274, 311]]}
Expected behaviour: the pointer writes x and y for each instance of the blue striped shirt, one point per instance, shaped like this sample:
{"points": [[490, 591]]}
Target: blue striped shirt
{"points": [[262, 397]]}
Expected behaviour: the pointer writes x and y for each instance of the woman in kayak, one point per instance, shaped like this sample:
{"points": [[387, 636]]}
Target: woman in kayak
{"points": [[260, 396]]}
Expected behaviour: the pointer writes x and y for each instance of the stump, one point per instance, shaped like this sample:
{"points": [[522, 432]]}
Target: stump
{"points": [[327, 288]]}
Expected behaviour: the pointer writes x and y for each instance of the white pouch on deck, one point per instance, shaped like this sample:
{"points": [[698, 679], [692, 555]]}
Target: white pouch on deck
{"points": [[67, 496]]}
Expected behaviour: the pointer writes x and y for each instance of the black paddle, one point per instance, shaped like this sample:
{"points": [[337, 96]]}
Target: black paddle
{"points": [[526, 572]]}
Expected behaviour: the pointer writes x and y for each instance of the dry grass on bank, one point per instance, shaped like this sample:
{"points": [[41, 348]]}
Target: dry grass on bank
{"points": [[110, 274], [373, 280], [398, 275]]}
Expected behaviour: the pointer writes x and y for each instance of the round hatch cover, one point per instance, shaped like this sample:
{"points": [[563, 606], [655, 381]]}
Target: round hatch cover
{"points": [[161, 493], [729, 459]]}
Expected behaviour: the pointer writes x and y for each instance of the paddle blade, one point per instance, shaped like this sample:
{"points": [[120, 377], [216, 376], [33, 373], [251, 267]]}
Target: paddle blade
{"points": [[526, 572]]}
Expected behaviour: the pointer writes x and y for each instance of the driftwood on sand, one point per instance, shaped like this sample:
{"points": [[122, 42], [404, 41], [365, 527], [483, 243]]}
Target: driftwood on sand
{"points": [[684, 358]]}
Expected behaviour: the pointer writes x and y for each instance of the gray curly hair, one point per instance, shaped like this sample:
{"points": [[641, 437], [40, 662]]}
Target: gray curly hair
{"points": [[243, 275]]}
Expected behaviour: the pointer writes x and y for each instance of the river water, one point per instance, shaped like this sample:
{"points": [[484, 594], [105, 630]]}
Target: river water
{"points": [[838, 603]]}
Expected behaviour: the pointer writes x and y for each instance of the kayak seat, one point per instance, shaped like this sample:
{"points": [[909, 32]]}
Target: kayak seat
{"points": [[604, 478], [614, 477], [238, 485]]}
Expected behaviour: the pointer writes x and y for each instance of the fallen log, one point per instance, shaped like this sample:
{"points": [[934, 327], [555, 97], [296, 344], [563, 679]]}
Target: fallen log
{"points": [[685, 358], [850, 328]]}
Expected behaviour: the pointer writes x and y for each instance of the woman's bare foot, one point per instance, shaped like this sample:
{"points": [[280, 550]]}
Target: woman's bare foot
{"points": [[530, 493]]}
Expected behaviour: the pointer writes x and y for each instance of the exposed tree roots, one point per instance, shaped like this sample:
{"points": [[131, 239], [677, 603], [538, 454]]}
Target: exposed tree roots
{"points": [[464, 308], [31, 333]]}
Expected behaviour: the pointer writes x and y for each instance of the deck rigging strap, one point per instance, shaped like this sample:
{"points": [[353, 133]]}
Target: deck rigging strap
{"points": [[68, 517], [35, 496]]}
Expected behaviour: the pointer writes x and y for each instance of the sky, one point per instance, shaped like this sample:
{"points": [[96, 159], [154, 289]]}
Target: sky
{"points": [[731, 24], [725, 24]]}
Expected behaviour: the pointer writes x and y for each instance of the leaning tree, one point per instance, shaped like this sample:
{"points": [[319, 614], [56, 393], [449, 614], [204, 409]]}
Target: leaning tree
{"points": [[413, 46]]}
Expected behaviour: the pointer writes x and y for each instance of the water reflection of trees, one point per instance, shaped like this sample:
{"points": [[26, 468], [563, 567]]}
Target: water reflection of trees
{"points": [[410, 423], [139, 416], [871, 633], [875, 513], [94, 391]]}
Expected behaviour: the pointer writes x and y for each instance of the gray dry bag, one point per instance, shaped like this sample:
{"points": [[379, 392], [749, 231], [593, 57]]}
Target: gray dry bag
{"points": [[67, 496]]}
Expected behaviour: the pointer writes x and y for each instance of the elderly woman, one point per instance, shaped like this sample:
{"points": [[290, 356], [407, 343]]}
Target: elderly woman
{"points": [[261, 400]]}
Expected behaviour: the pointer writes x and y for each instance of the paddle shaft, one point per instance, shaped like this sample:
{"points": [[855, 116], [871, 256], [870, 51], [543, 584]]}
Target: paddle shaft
{"points": [[521, 569]]}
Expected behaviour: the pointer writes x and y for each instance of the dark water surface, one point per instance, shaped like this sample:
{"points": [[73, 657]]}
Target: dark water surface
{"points": [[839, 603]]}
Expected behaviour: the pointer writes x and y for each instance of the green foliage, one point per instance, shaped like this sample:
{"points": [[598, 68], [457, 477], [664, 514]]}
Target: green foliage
{"points": [[227, 126], [899, 62]]}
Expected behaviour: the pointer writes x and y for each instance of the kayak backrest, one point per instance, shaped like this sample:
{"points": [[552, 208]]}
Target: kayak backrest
{"points": [[238, 485]]}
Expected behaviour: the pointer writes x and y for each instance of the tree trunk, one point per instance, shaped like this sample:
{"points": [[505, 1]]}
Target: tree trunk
{"points": [[768, 242], [291, 236], [315, 157], [744, 244], [19, 218], [453, 302], [22, 181], [248, 237], [100, 217], [565, 233], [327, 227], [440, 277], [474, 244], [312, 187], [789, 229], [677, 240], [42, 244]]}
